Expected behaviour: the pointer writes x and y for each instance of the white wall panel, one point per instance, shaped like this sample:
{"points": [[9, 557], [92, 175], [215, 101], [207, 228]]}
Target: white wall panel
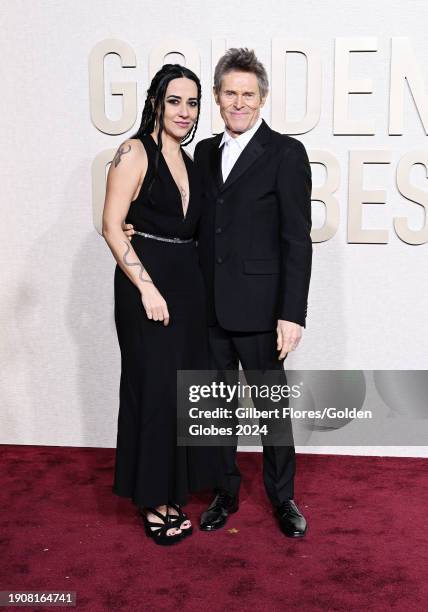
{"points": [[60, 357]]}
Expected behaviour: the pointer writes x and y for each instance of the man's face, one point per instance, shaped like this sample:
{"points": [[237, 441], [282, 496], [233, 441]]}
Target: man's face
{"points": [[239, 101]]}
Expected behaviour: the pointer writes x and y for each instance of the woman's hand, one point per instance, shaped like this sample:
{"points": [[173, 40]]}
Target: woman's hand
{"points": [[154, 304], [128, 230]]}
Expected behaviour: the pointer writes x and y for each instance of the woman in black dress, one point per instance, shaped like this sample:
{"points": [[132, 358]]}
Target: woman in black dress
{"points": [[159, 301]]}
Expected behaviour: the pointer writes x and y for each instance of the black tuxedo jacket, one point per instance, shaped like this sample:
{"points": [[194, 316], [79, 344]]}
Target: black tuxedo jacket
{"points": [[254, 239]]}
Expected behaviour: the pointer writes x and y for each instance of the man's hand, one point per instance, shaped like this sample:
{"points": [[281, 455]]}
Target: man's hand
{"points": [[289, 335], [128, 230]]}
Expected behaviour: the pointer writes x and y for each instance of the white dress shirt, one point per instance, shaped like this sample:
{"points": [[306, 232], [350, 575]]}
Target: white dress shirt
{"points": [[233, 148]]}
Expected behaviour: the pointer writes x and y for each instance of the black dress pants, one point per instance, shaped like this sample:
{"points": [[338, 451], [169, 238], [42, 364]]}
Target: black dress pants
{"points": [[255, 351]]}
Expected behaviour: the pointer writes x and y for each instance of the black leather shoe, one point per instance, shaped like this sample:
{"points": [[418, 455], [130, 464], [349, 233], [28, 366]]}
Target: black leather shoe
{"points": [[291, 520], [218, 511]]}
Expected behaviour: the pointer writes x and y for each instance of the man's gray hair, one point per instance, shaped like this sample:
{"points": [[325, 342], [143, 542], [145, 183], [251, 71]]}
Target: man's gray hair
{"points": [[243, 60]]}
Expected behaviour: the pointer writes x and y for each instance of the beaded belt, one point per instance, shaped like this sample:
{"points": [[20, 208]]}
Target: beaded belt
{"points": [[164, 239]]}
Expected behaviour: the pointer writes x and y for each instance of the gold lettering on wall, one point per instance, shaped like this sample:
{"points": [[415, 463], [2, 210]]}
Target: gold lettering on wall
{"points": [[358, 196], [280, 49], [344, 86], [184, 47], [405, 69], [127, 90], [325, 193], [413, 194]]}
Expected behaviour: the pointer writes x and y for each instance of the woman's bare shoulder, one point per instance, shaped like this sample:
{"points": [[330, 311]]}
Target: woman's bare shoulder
{"points": [[131, 150]]}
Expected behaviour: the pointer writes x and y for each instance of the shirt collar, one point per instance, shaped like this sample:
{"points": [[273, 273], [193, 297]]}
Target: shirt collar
{"points": [[243, 139]]}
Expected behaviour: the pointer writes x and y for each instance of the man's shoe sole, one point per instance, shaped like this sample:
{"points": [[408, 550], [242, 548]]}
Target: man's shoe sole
{"points": [[298, 534]]}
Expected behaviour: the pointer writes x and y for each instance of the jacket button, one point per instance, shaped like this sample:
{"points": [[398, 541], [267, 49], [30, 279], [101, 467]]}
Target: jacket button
{"points": [[219, 260], [220, 201], [218, 230]]}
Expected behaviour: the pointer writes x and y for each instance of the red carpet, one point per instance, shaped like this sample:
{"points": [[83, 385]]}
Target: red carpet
{"points": [[366, 546]]}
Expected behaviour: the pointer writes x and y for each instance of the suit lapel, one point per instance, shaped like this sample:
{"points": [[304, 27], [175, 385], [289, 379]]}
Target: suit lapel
{"points": [[254, 149], [249, 155]]}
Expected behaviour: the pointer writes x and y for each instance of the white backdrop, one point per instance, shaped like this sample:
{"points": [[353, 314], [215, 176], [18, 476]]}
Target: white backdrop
{"points": [[60, 357]]}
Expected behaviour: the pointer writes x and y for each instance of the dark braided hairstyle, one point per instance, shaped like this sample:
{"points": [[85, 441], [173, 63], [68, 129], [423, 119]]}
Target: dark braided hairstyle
{"points": [[155, 102]]}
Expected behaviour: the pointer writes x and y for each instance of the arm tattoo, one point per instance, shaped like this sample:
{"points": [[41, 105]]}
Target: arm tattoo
{"points": [[135, 263], [121, 151]]}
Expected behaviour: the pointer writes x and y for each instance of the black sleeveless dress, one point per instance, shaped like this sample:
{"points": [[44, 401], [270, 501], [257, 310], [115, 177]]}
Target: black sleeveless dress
{"points": [[150, 468]]}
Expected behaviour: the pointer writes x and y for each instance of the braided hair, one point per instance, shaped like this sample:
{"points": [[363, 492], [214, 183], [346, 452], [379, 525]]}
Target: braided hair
{"points": [[155, 102]]}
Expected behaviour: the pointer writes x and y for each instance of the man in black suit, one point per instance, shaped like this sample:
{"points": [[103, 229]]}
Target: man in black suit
{"points": [[255, 252]]}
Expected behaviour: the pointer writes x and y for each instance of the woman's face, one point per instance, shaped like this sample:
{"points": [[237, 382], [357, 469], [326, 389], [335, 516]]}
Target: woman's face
{"points": [[181, 107]]}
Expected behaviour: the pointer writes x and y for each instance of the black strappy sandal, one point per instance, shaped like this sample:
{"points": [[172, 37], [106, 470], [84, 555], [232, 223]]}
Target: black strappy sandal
{"points": [[179, 518], [158, 531]]}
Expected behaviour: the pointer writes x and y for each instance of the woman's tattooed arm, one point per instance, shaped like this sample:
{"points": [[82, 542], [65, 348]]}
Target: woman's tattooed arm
{"points": [[121, 151], [135, 263]]}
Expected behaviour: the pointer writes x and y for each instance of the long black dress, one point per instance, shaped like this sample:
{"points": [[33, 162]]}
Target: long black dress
{"points": [[150, 468]]}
